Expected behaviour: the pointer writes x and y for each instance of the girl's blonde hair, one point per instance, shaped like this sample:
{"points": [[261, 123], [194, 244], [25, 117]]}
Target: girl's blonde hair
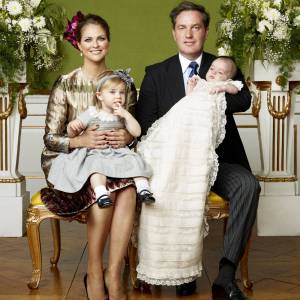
{"points": [[114, 77]]}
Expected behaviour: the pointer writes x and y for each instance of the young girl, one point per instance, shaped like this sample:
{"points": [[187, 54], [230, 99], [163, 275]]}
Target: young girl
{"points": [[69, 172], [180, 147]]}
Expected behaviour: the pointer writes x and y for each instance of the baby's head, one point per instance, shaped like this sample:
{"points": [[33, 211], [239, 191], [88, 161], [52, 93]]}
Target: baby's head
{"points": [[113, 88], [221, 69]]}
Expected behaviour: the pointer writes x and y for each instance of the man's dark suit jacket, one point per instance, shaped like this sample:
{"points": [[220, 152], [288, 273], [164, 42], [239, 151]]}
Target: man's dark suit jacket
{"points": [[163, 86]]}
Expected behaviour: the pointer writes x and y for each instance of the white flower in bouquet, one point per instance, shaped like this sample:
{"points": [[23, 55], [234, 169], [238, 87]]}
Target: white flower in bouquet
{"points": [[263, 25], [14, 8], [25, 24], [227, 28], [297, 21], [261, 29], [277, 3], [271, 14], [281, 32], [39, 22], [30, 32], [45, 39], [224, 51], [35, 3]]}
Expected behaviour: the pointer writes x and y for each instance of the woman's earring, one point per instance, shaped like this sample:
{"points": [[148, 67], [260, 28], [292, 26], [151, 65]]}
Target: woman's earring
{"points": [[80, 53]]}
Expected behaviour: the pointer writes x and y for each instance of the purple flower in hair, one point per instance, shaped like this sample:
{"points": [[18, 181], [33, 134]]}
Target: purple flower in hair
{"points": [[70, 33]]}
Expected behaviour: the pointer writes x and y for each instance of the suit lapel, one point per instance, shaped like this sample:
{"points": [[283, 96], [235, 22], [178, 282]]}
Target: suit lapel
{"points": [[175, 82], [205, 63]]}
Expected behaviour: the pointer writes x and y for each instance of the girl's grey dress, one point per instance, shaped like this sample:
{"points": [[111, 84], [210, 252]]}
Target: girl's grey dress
{"points": [[70, 171]]}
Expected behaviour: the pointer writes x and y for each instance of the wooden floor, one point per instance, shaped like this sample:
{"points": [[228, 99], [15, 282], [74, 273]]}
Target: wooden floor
{"points": [[274, 268]]}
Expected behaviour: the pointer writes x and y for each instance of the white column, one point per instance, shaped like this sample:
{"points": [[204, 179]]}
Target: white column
{"points": [[14, 199], [278, 211]]}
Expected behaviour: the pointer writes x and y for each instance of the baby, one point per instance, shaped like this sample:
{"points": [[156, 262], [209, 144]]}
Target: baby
{"points": [[222, 68]]}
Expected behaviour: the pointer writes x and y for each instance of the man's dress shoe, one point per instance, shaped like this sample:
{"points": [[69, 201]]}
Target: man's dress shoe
{"points": [[230, 292], [186, 289]]}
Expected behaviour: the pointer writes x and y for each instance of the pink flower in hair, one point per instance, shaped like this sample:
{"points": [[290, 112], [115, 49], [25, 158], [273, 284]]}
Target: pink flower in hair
{"points": [[70, 33]]}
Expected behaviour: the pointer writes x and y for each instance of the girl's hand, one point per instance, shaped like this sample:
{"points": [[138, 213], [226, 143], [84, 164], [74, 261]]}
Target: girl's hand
{"points": [[119, 110], [75, 127]]}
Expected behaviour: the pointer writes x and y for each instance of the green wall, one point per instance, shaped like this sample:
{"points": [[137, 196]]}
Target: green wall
{"points": [[140, 32]]}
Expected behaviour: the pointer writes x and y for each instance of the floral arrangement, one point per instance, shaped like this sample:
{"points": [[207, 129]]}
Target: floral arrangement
{"points": [[30, 31], [261, 29]]}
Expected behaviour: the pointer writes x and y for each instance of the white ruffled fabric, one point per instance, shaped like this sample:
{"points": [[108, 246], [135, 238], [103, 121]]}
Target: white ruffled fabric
{"points": [[180, 148]]}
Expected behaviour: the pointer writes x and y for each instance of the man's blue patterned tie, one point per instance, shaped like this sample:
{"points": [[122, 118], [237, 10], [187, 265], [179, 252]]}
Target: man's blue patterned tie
{"points": [[194, 66]]}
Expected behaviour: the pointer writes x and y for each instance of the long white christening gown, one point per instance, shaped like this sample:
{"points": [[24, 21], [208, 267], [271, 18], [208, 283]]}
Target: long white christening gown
{"points": [[180, 148]]}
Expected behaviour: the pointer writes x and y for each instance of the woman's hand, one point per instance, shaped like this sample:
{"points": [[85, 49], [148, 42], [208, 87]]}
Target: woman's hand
{"points": [[118, 138], [90, 138]]}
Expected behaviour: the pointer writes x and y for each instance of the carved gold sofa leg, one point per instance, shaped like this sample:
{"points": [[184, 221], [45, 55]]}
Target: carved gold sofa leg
{"points": [[55, 226], [36, 213], [33, 237]]}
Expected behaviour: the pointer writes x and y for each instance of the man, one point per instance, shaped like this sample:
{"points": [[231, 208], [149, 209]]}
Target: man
{"points": [[164, 84]]}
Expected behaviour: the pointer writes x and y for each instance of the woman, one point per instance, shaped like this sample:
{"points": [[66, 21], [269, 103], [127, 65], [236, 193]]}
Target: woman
{"points": [[72, 94]]}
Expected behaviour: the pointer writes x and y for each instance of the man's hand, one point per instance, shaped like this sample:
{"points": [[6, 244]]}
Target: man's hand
{"points": [[227, 88]]}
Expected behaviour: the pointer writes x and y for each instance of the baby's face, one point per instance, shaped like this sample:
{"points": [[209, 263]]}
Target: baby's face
{"points": [[218, 71]]}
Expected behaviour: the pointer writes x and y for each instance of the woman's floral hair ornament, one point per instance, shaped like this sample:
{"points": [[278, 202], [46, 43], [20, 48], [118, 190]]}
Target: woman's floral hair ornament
{"points": [[71, 30]]}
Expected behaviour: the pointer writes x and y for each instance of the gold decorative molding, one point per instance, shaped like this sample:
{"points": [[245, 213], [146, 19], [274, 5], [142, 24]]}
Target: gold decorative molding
{"points": [[242, 114], [21, 102], [33, 126], [247, 126], [12, 180], [256, 105], [7, 112], [263, 85], [34, 177], [280, 80], [284, 111], [276, 179]]}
